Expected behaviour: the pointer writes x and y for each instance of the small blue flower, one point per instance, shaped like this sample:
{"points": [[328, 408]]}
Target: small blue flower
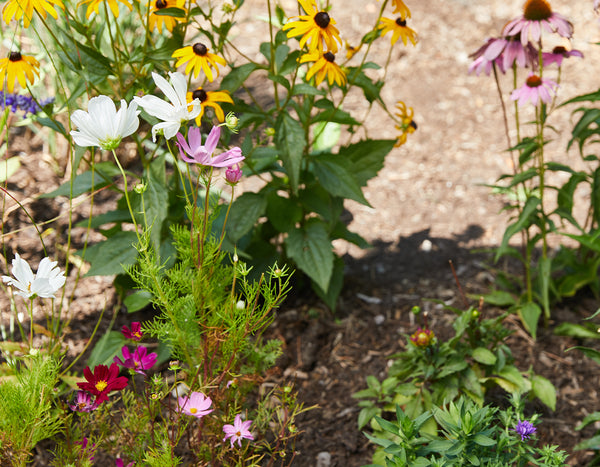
{"points": [[525, 429]]}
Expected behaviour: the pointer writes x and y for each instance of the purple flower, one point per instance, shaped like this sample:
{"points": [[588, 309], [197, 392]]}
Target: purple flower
{"points": [[233, 174], [535, 89], [525, 429], [196, 404], [25, 103], [203, 154], [238, 430], [138, 361], [558, 54], [87, 451], [504, 52], [119, 463], [135, 333], [538, 14], [83, 402]]}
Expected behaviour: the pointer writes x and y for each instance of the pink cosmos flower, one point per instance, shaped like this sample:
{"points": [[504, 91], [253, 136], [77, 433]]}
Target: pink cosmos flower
{"points": [[203, 154], [83, 402], [196, 404], [135, 333], [558, 54], [536, 90], [233, 174], [538, 14], [119, 463], [138, 361], [238, 430]]}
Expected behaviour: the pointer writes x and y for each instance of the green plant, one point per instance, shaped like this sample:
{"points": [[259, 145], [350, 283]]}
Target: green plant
{"points": [[468, 435], [430, 373]]}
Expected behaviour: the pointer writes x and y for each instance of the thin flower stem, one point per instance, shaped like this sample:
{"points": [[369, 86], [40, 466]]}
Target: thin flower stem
{"points": [[126, 193]]}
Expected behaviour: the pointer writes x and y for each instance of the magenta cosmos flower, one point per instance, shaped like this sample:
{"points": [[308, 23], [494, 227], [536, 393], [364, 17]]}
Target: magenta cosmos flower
{"points": [[196, 153], [536, 90], [238, 431], [102, 381], [538, 14], [558, 54], [135, 333], [138, 361], [504, 52], [196, 404], [233, 174]]}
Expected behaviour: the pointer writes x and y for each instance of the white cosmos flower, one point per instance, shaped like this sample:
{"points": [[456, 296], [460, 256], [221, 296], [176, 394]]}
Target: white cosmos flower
{"points": [[102, 125], [45, 283], [175, 113]]}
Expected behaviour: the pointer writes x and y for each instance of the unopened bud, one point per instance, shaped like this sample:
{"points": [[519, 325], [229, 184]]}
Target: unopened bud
{"points": [[231, 122]]}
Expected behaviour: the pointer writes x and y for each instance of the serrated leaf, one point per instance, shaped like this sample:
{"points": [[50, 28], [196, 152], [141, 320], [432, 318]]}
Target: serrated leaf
{"points": [[367, 157], [244, 213], [311, 249], [334, 174]]}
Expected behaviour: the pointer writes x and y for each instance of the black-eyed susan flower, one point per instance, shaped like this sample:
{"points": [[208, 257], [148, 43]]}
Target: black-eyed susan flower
{"points": [[198, 57], [399, 29], [324, 66], [158, 21], [209, 99], [401, 8], [17, 67], [316, 28], [93, 6], [351, 50], [406, 125], [538, 14], [15, 9]]}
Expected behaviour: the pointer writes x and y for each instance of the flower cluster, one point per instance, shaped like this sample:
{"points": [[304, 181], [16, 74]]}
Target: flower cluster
{"points": [[519, 47], [26, 104]]}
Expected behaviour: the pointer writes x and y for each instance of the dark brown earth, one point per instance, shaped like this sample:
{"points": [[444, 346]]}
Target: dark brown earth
{"points": [[429, 205]]}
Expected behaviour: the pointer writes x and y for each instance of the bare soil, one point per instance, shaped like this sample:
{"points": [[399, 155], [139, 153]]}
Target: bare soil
{"points": [[430, 204]]}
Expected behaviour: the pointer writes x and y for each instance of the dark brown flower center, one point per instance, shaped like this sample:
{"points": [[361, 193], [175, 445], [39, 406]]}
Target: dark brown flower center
{"points": [[15, 57], [413, 124], [200, 49], [322, 19], [329, 57], [400, 22], [534, 81], [559, 50], [200, 94], [160, 4], [537, 10]]}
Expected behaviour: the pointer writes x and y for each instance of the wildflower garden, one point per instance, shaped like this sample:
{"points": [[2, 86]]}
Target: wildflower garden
{"points": [[299, 232]]}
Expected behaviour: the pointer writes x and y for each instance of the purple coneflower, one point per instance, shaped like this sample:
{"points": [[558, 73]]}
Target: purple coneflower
{"points": [[535, 89], [558, 54], [504, 52], [538, 14]]}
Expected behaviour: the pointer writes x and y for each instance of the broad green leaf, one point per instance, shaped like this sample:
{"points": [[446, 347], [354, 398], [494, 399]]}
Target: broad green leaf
{"points": [[137, 300], [576, 330], [591, 353], [328, 136], [544, 390], [366, 414], [108, 347], [236, 77], [118, 215], [283, 213], [172, 11], [86, 181], [512, 374], [530, 315], [592, 443], [311, 249], [156, 200], [8, 167], [335, 285], [334, 173], [483, 440], [244, 213], [484, 356], [499, 298], [525, 220], [367, 157], [290, 141], [109, 257]]}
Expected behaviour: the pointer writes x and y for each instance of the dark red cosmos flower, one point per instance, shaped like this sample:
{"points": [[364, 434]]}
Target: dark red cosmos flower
{"points": [[102, 381]]}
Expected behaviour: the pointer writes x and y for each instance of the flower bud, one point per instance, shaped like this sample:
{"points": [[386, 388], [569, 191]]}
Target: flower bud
{"points": [[231, 122], [233, 174]]}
